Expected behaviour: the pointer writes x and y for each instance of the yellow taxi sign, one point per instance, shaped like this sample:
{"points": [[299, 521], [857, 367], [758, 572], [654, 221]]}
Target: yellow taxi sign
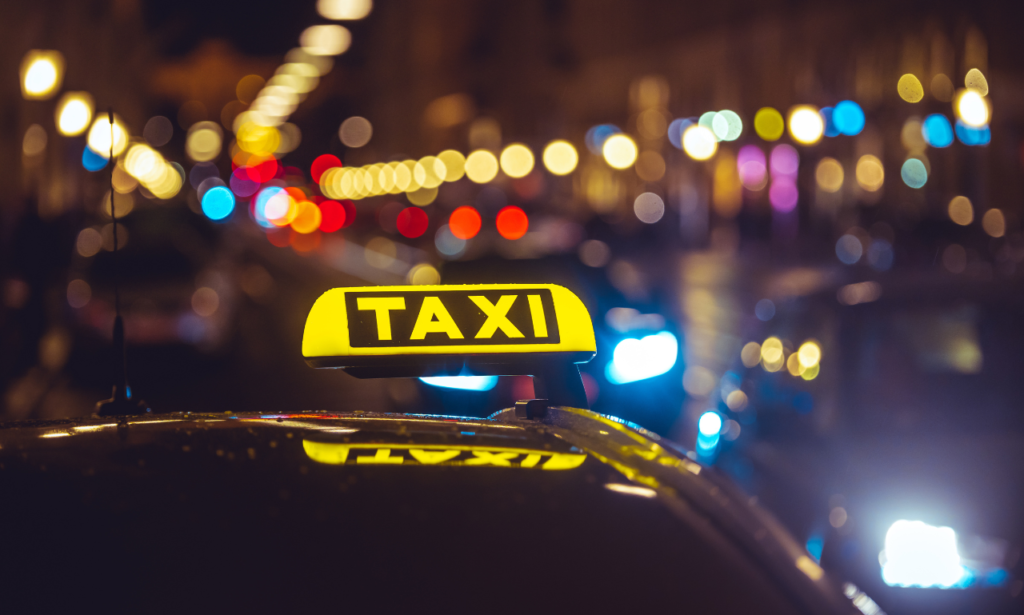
{"points": [[485, 324]]}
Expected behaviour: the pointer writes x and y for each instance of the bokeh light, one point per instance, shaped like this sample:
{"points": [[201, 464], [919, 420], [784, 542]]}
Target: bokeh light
{"points": [[848, 118], [727, 125], [34, 141], [937, 131], [204, 141], [99, 136], [79, 293], [158, 131], [783, 194], [829, 175], [994, 223], [512, 222], [785, 161], [972, 108], [447, 244], [870, 174], [89, 242], [41, 74], [481, 166], [332, 216], [560, 158], [325, 40], [307, 217], [806, 125], [961, 211], [412, 222], [454, 164], [649, 207], [218, 203], [619, 151], [74, 112], [969, 135], [752, 167], [423, 275], [699, 142], [597, 135], [975, 80], [464, 222], [92, 161], [594, 253], [914, 173], [849, 249], [676, 129], [321, 163], [910, 88], [356, 131], [768, 124], [709, 424], [516, 160], [344, 9]]}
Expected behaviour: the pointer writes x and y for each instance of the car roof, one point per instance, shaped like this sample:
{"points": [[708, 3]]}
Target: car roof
{"points": [[580, 494]]}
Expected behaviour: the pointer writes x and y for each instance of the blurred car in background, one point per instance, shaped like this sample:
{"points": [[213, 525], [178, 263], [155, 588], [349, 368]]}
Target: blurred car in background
{"points": [[883, 423], [177, 279]]}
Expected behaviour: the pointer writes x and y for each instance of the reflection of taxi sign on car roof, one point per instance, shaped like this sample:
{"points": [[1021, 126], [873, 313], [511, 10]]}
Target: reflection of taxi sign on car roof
{"points": [[499, 329]]}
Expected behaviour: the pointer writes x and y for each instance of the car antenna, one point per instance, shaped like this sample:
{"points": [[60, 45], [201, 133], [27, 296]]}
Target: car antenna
{"points": [[120, 402]]}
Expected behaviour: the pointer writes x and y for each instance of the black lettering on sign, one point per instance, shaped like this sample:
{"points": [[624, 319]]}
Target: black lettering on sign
{"points": [[451, 318]]}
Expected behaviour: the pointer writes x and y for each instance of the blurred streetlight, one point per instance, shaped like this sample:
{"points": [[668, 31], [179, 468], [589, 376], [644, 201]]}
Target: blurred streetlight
{"points": [[74, 112], [41, 74]]}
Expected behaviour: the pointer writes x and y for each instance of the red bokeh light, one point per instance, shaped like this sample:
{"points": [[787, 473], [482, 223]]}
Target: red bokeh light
{"points": [[321, 164], [464, 222], [412, 222], [262, 170], [332, 216], [512, 222]]}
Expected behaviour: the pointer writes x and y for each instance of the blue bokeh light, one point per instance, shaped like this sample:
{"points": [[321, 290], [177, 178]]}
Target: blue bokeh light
{"points": [[639, 359], [676, 130], [764, 310], [464, 383], [914, 173], [93, 161], [828, 117], [218, 203], [937, 131], [597, 135], [848, 118], [969, 135]]}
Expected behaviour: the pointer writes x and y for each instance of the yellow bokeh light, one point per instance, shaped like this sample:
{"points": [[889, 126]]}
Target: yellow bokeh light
{"points": [[793, 365], [560, 158], [256, 139], [751, 354], [829, 175], [204, 141], [994, 223], [961, 211], [99, 136], [430, 172], [771, 350], [454, 163], [870, 174], [344, 9], [423, 275], [325, 40], [74, 112], [481, 166], [699, 142], [972, 108], [809, 353], [41, 74], [422, 197], [768, 124], [806, 125], [975, 80], [619, 151], [810, 373], [910, 88], [517, 160]]}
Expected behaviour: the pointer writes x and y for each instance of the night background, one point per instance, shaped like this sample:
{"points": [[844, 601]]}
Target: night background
{"points": [[797, 227]]}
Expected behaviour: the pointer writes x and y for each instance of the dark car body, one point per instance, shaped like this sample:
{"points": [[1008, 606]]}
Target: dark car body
{"points": [[361, 512]]}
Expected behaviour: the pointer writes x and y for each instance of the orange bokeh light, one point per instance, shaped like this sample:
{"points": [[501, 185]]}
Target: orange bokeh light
{"points": [[512, 222], [464, 222]]}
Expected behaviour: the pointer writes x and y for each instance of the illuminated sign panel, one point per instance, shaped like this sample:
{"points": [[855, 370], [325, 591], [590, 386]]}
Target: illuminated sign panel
{"points": [[451, 317], [481, 324], [407, 454]]}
